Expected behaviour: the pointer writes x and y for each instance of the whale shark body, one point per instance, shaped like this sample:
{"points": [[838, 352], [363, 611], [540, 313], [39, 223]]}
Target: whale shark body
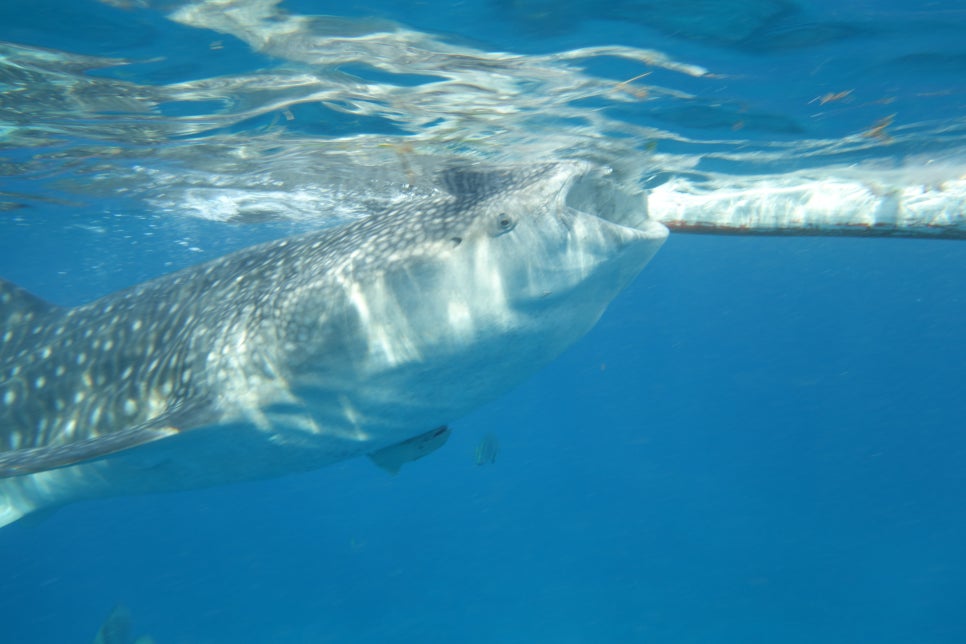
{"points": [[368, 338]]}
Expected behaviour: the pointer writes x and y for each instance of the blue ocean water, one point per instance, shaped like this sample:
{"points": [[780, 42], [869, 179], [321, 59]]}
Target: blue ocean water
{"points": [[761, 441]]}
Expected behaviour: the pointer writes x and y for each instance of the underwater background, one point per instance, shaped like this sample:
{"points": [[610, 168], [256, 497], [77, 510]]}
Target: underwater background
{"points": [[762, 440]]}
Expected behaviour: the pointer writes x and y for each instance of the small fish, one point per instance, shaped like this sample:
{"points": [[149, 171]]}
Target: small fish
{"points": [[116, 629], [487, 450]]}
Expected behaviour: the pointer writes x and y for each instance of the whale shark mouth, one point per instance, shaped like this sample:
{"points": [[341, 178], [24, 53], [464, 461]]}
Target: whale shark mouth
{"points": [[600, 196], [604, 239]]}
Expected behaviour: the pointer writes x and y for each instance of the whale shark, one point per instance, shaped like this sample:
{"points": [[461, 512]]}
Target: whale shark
{"points": [[367, 338]]}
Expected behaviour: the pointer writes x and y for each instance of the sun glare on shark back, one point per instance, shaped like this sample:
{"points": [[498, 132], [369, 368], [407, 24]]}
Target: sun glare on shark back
{"points": [[369, 338]]}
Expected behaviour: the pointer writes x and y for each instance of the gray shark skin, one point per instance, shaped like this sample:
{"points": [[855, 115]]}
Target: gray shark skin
{"points": [[301, 352]]}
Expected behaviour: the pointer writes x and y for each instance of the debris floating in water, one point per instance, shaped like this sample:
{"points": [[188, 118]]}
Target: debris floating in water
{"points": [[487, 450]]}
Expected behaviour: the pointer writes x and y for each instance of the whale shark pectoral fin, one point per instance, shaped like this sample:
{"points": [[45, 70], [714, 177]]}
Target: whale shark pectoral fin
{"points": [[395, 456], [19, 462], [31, 460]]}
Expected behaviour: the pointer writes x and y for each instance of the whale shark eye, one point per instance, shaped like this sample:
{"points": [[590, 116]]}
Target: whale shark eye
{"points": [[504, 223]]}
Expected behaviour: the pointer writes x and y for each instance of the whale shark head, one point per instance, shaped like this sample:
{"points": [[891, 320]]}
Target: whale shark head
{"points": [[445, 304]]}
